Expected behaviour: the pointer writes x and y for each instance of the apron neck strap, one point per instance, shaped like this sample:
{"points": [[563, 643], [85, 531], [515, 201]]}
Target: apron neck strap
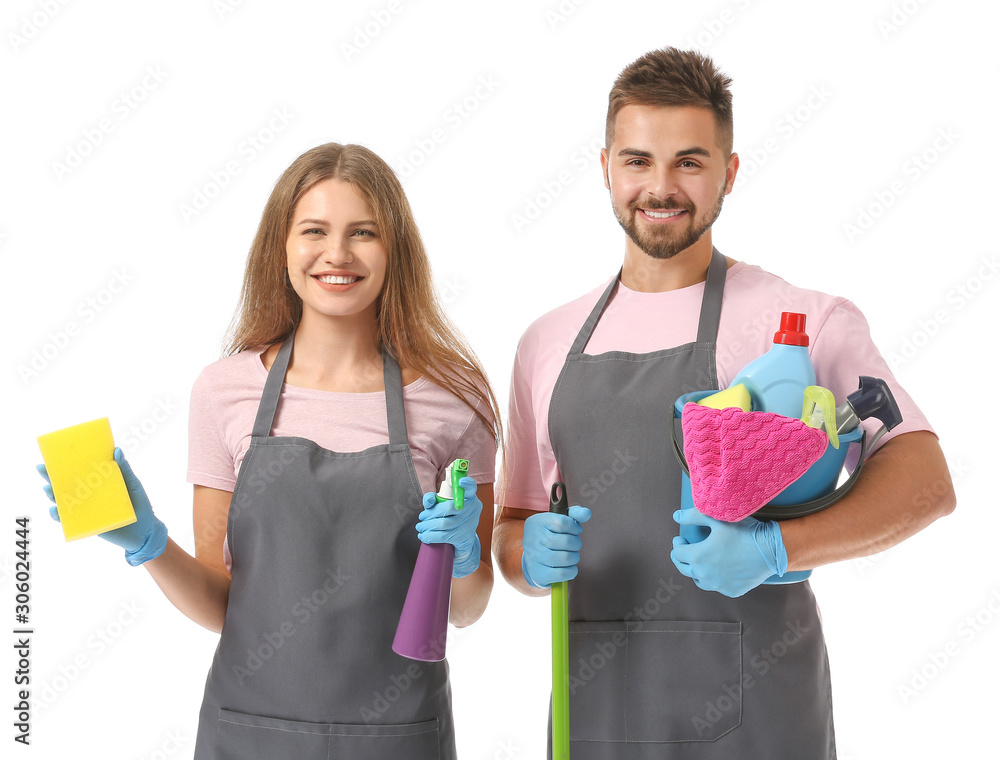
{"points": [[711, 305], [268, 406], [391, 375], [711, 301], [395, 416]]}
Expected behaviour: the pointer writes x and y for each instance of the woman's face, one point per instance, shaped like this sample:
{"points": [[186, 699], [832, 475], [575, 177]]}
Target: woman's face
{"points": [[336, 257]]}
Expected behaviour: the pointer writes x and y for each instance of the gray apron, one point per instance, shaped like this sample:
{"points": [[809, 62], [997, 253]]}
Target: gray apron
{"points": [[323, 546], [658, 667]]}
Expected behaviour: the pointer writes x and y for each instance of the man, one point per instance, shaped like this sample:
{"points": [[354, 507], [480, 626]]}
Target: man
{"points": [[680, 650]]}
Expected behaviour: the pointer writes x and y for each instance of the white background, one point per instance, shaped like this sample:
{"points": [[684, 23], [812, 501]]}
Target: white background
{"points": [[512, 209]]}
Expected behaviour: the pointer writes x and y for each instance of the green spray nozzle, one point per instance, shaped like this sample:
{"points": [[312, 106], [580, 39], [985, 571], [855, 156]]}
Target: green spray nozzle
{"points": [[819, 410], [450, 489]]}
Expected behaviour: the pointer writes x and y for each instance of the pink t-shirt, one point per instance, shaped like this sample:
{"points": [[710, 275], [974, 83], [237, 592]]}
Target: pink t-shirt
{"points": [[840, 346], [224, 403]]}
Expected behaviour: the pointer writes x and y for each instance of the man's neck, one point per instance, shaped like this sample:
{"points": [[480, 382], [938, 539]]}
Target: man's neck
{"points": [[648, 275]]}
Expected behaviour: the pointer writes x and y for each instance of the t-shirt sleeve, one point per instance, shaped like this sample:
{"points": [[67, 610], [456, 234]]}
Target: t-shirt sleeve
{"points": [[522, 486], [842, 351], [210, 462], [478, 444]]}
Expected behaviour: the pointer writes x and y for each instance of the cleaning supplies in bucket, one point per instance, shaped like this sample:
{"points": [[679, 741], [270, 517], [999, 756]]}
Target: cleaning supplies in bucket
{"points": [[740, 463]]}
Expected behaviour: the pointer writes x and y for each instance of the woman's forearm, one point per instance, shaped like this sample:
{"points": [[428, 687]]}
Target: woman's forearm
{"points": [[470, 595], [198, 590]]}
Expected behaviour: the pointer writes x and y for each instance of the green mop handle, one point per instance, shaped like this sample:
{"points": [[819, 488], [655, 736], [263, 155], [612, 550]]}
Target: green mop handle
{"points": [[560, 645]]}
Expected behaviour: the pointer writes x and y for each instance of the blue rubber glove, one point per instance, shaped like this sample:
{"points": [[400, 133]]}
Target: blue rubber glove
{"points": [[143, 540], [441, 523], [734, 558], [550, 549]]}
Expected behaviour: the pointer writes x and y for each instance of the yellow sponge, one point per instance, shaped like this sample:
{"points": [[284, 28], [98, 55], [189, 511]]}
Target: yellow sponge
{"points": [[737, 396], [86, 482]]}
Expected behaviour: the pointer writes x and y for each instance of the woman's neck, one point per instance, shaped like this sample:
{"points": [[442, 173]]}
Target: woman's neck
{"points": [[337, 354]]}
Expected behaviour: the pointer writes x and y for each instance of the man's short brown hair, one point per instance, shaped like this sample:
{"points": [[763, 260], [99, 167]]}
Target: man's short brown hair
{"points": [[672, 77]]}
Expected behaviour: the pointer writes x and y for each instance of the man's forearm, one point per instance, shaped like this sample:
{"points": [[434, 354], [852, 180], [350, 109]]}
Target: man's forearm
{"points": [[904, 487], [508, 533]]}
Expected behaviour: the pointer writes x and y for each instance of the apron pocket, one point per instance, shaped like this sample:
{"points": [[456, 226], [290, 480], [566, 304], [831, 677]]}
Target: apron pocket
{"points": [[658, 681], [252, 737]]}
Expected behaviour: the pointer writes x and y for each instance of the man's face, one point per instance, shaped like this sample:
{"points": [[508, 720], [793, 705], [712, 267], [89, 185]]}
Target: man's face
{"points": [[667, 176]]}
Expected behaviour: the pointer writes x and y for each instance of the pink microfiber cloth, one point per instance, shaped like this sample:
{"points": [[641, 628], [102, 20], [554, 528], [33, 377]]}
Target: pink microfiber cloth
{"points": [[739, 461]]}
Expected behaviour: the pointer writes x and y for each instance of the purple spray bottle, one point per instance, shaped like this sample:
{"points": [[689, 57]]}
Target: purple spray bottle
{"points": [[422, 631]]}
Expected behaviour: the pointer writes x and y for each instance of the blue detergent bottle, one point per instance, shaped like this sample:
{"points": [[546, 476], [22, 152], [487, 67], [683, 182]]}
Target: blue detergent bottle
{"points": [[778, 379], [776, 382]]}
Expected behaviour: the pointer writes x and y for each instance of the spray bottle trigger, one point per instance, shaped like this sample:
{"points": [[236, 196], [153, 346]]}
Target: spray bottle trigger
{"points": [[874, 399], [819, 410], [458, 470]]}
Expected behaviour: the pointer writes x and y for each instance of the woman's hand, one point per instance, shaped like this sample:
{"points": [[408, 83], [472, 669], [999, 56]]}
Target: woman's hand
{"points": [[143, 540], [441, 523]]}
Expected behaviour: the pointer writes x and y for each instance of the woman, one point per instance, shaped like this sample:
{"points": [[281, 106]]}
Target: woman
{"points": [[344, 396]]}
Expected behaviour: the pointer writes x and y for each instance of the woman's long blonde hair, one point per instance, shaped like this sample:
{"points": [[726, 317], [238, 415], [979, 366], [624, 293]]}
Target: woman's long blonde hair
{"points": [[410, 321]]}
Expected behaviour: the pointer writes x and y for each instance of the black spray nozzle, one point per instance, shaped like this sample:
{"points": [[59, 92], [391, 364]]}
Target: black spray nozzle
{"points": [[874, 399], [557, 499]]}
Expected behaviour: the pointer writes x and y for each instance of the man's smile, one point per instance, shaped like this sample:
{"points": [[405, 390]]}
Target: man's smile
{"points": [[662, 216]]}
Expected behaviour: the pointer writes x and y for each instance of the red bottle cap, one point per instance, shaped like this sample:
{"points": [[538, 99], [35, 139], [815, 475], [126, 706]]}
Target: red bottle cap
{"points": [[793, 330]]}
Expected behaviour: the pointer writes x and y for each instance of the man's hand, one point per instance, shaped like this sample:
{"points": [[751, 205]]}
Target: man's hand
{"points": [[734, 558], [551, 546]]}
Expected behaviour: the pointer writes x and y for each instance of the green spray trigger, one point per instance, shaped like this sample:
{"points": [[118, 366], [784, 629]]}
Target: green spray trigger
{"points": [[450, 489]]}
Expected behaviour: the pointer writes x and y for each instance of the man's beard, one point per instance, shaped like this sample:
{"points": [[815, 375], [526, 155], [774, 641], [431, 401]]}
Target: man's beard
{"points": [[663, 242]]}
